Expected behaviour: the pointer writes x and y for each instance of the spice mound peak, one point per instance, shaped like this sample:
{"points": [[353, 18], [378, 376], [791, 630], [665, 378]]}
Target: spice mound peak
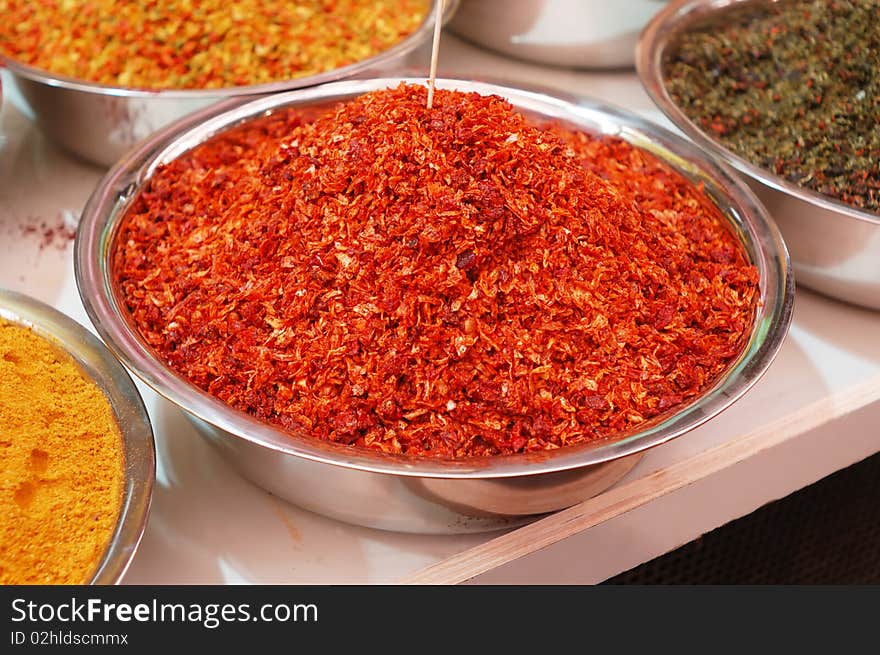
{"points": [[468, 178], [452, 282]]}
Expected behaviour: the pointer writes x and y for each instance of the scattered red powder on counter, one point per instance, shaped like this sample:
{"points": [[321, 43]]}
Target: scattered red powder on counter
{"points": [[57, 233]]}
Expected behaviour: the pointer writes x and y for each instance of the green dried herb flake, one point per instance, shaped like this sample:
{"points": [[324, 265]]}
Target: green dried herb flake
{"points": [[791, 86]]}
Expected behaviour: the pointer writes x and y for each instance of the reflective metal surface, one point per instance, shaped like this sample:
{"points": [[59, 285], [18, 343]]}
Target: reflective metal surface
{"points": [[137, 435], [422, 494], [100, 123], [575, 33], [410, 503], [835, 248]]}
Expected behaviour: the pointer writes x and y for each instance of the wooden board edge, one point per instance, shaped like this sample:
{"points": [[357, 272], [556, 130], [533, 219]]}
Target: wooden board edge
{"points": [[630, 495]]}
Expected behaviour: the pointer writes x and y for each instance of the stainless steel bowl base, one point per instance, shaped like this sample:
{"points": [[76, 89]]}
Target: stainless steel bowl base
{"points": [[99, 127], [138, 447], [426, 494], [835, 248]]}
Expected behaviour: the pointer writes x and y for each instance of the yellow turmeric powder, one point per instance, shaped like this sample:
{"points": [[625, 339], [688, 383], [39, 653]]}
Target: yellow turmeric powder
{"points": [[61, 464]]}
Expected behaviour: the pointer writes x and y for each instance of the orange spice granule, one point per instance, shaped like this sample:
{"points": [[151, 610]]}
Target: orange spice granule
{"points": [[61, 464]]}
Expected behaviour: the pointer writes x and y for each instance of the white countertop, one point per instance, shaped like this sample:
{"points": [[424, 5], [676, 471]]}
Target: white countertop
{"points": [[814, 412]]}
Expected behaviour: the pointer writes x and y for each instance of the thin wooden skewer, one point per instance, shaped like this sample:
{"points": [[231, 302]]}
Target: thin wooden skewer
{"points": [[435, 50]]}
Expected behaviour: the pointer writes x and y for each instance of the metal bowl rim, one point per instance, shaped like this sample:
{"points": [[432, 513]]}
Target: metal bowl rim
{"points": [[139, 449], [657, 35], [91, 267], [403, 47]]}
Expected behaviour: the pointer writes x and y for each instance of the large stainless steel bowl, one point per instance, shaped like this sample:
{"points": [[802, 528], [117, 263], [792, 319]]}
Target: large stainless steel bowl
{"points": [[138, 448], [422, 494], [100, 123], [835, 248]]}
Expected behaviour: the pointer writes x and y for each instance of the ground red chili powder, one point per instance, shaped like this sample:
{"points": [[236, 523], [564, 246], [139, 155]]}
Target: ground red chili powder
{"points": [[450, 283]]}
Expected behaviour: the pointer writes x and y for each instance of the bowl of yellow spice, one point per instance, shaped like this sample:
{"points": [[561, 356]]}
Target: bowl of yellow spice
{"points": [[97, 76], [76, 451]]}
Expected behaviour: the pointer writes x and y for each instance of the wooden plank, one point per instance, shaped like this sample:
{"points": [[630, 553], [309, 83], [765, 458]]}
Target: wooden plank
{"points": [[435, 51], [618, 500]]}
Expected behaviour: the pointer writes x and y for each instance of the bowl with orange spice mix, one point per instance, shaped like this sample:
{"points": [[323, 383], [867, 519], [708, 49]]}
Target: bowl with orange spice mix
{"points": [[787, 92], [99, 75], [76, 452], [433, 320]]}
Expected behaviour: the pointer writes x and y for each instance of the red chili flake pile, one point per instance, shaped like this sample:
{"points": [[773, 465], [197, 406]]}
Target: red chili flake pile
{"points": [[452, 283]]}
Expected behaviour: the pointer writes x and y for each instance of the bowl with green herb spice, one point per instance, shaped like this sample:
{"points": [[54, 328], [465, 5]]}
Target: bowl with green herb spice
{"points": [[97, 76], [786, 92]]}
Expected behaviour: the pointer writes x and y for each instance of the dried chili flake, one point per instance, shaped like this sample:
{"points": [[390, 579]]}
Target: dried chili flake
{"points": [[452, 283], [791, 87], [189, 44]]}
